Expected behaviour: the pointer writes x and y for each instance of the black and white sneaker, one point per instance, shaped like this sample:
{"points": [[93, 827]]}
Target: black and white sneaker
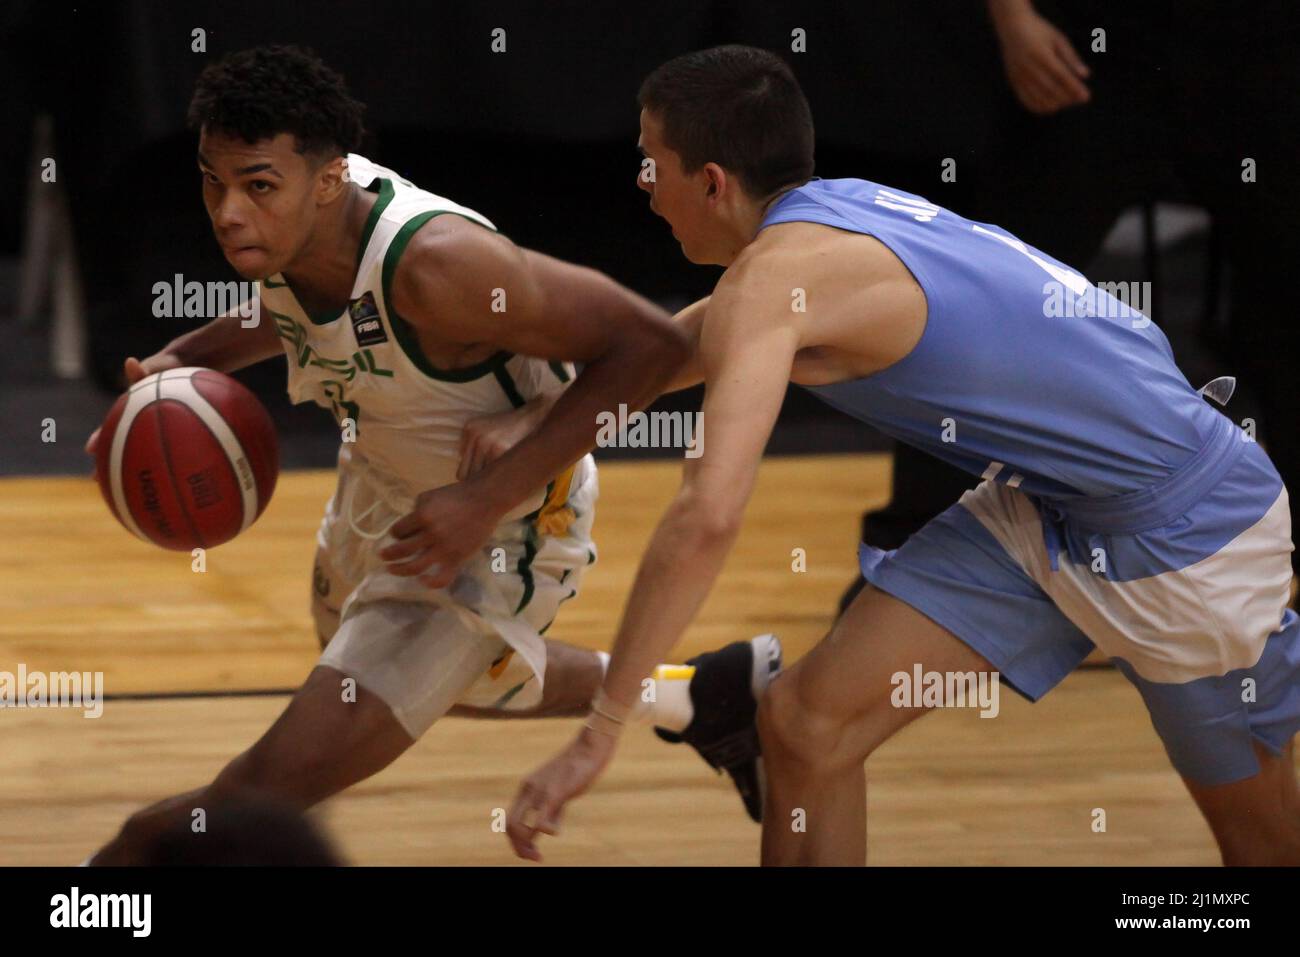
{"points": [[725, 690]]}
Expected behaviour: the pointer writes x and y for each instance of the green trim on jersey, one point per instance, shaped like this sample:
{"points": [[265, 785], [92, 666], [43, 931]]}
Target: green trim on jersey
{"points": [[508, 386], [525, 566], [321, 318], [403, 330], [505, 698], [386, 194]]}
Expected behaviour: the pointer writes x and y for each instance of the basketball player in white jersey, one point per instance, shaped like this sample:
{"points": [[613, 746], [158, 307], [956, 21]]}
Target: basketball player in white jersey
{"points": [[409, 317]]}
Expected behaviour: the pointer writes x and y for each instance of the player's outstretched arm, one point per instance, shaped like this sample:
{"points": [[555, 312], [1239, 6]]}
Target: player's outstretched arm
{"points": [[690, 321], [239, 338], [747, 349], [488, 437], [468, 285]]}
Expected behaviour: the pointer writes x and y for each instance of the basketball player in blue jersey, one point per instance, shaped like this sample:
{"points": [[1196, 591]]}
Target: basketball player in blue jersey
{"points": [[430, 595], [1118, 508]]}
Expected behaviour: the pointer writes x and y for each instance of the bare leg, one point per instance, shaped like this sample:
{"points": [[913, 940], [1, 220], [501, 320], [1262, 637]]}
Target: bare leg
{"points": [[821, 719], [319, 746], [1256, 821], [573, 675]]}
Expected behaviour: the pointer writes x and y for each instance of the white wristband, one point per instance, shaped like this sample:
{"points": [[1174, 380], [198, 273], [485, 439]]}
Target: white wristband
{"points": [[607, 707]]}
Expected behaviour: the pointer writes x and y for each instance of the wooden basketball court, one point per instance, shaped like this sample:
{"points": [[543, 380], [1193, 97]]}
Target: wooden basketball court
{"points": [[81, 594]]}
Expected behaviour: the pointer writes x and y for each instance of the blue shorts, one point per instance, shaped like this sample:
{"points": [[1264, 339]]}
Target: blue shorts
{"points": [[1193, 610]]}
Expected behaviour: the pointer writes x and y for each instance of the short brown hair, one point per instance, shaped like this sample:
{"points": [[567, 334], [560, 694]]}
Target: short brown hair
{"points": [[739, 107]]}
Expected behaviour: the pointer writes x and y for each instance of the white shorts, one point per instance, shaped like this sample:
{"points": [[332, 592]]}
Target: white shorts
{"points": [[477, 642]]}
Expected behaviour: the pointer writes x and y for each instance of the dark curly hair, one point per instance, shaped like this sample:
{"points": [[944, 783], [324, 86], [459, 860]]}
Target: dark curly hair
{"points": [[260, 93]]}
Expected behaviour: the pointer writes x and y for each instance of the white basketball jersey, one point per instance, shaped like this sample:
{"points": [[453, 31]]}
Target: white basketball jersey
{"points": [[366, 365]]}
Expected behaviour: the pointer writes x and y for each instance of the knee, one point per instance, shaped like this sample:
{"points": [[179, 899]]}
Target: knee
{"points": [[798, 736]]}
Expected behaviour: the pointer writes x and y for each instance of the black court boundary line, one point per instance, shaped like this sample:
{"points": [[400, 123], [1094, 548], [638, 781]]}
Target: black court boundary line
{"points": [[280, 692], [174, 695]]}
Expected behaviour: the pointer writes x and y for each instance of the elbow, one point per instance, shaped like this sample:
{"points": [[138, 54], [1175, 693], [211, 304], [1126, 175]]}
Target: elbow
{"points": [[667, 356], [664, 344], [678, 343]]}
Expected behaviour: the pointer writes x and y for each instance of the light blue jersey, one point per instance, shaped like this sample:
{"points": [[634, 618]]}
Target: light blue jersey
{"points": [[1012, 379], [1119, 509]]}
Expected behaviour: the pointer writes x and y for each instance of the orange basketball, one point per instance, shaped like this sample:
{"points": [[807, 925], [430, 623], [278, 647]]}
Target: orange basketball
{"points": [[187, 458]]}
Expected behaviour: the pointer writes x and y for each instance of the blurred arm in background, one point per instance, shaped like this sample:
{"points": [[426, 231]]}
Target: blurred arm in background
{"points": [[1045, 72]]}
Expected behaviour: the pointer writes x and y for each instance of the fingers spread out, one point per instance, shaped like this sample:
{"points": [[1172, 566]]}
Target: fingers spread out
{"points": [[414, 539], [408, 527], [421, 550], [404, 547]]}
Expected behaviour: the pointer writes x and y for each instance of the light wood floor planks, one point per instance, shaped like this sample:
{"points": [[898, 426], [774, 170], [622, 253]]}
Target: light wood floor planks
{"points": [[79, 593]]}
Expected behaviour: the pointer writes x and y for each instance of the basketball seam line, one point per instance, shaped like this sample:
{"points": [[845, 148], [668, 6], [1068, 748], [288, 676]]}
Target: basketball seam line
{"points": [[167, 459]]}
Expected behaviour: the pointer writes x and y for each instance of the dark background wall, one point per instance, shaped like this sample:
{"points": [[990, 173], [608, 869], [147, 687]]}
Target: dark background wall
{"points": [[541, 138]]}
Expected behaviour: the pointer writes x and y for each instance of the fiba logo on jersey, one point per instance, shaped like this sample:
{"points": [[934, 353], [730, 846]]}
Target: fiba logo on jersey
{"points": [[366, 324]]}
